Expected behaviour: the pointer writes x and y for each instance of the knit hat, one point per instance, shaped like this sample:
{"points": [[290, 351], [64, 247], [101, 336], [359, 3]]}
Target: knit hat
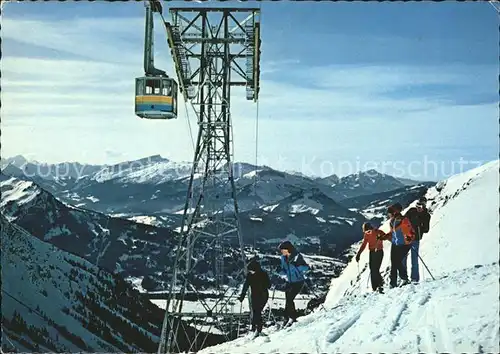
{"points": [[421, 202], [395, 209], [254, 265], [286, 245], [398, 207], [367, 226]]}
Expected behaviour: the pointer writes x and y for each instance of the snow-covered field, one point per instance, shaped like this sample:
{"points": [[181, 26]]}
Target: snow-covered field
{"points": [[456, 312]]}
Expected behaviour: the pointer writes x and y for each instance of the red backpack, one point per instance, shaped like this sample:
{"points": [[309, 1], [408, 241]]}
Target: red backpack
{"points": [[407, 230]]}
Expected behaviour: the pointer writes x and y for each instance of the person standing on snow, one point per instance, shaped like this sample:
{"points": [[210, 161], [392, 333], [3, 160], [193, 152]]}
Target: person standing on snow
{"points": [[258, 281], [401, 236], [375, 245], [420, 220], [293, 267]]}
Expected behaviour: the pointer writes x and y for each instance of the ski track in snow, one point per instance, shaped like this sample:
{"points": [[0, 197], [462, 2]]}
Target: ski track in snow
{"points": [[335, 333], [411, 318], [455, 313]]}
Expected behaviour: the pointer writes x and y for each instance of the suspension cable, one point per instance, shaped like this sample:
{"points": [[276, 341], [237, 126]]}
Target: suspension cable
{"points": [[256, 149], [188, 119], [256, 129], [495, 5], [188, 122]]}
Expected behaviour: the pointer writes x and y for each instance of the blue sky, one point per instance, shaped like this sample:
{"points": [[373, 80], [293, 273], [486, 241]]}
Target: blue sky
{"points": [[407, 88]]}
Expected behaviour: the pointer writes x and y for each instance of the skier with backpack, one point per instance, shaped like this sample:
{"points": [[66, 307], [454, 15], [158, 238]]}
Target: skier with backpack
{"points": [[293, 267], [371, 237], [420, 219], [258, 281], [401, 236]]}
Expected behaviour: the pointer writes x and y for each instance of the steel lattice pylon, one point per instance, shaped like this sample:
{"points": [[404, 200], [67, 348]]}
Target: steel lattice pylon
{"points": [[214, 49]]}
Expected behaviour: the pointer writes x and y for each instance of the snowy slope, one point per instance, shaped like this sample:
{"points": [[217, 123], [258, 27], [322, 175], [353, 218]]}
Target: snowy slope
{"points": [[456, 312], [111, 242], [153, 170], [55, 301]]}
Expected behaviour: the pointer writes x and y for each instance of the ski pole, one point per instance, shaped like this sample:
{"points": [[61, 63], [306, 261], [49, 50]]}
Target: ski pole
{"points": [[271, 304], [426, 267], [239, 322], [315, 295]]}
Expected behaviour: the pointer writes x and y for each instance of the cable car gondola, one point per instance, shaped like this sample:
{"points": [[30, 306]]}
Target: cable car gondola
{"points": [[155, 92], [155, 97]]}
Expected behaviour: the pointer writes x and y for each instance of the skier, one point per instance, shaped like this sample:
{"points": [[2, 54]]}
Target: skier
{"points": [[420, 220], [401, 236], [372, 237], [258, 281], [293, 267]]}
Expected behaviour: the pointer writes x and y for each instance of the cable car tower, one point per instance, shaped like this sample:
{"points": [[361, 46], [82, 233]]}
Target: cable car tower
{"points": [[214, 50]]}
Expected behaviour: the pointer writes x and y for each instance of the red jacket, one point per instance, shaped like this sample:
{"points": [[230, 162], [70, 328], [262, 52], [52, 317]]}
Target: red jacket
{"points": [[370, 238]]}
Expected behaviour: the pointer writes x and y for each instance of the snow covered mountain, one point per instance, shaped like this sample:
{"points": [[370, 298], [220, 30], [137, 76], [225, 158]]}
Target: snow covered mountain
{"points": [[141, 253], [331, 180], [109, 242], [135, 251], [455, 310], [374, 206], [17, 161], [155, 186], [152, 169], [53, 301], [309, 218], [57, 173], [363, 183], [408, 181]]}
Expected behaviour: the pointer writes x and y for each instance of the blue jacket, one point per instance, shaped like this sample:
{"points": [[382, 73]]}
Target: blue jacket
{"points": [[397, 234], [294, 267]]}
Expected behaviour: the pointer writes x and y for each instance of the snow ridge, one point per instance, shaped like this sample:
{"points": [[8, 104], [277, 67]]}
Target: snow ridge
{"points": [[455, 312]]}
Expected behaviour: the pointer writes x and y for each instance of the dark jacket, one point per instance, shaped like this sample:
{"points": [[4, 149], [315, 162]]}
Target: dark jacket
{"points": [[258, 282], [419, 220]]}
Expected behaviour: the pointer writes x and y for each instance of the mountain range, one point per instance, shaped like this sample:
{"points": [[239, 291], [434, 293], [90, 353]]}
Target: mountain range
{"points": [[132, 250], [155, 186], [120, 220], [273, 204]]}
